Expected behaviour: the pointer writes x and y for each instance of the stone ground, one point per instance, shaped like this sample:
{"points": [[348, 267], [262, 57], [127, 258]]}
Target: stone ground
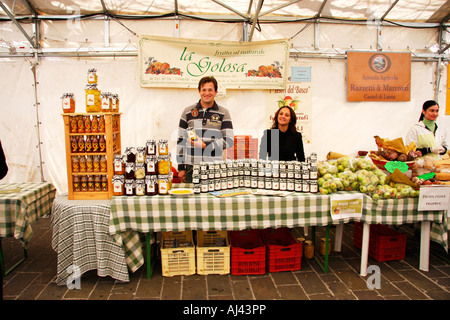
{"points": [[400, 280]]}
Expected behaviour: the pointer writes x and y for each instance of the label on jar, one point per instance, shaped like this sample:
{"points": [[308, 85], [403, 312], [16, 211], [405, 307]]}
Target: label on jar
{"points": [[66, 103], [163, 187], [90, 101]]}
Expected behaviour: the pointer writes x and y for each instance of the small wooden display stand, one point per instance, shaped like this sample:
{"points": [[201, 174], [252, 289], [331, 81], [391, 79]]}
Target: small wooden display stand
{"points": [[112, 133]]}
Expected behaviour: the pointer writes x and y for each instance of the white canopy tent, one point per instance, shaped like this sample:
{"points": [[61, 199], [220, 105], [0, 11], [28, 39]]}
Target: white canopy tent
{"points": [[46, 48]]}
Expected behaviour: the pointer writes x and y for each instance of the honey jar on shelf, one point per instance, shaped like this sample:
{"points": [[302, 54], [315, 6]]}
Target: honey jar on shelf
{"points": [[92, 76], [93, 102], [68, 103]]}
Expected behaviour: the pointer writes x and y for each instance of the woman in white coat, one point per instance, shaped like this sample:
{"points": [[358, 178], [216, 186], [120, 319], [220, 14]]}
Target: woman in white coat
{"points": [[429, 138]]}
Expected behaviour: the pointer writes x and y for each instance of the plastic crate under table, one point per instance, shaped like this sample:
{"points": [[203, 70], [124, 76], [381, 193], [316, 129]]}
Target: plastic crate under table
{"points": [[213, 252], [179, 260], [384, 243], [248, 252], [284, 253]]}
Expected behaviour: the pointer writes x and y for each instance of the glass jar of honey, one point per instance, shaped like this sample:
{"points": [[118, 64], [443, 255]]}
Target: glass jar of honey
{"points": [[163, 147], [119, 165], [68, 103], [163, 184], [118, 185], [92, 76], [164, 166], [105, 98], [115, 103], [93, 102]]}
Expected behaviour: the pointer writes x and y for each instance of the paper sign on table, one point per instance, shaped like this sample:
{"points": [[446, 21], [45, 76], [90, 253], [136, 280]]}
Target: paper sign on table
{"points": [[434, 198], [346, 206]]}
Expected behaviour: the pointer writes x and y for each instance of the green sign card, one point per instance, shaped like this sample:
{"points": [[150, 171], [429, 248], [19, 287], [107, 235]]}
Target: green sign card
{"points": [[392, 165]]}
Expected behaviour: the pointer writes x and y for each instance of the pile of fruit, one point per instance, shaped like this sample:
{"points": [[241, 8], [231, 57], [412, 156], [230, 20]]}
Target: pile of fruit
{"points": [[362, 175]]}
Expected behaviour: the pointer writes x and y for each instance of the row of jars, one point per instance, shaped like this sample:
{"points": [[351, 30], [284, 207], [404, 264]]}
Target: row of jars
{"points": [[87, 144], [152, 148], [90, 183], [148, 186], [86, 124], [89, 163], [279, 184], [137, 170]]}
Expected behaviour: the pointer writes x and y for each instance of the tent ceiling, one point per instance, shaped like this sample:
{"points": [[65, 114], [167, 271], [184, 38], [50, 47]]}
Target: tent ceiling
{"points": [[412, 11]]}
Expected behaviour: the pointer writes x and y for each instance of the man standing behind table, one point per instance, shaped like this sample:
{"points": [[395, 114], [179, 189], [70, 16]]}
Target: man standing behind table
{"points": [[212, 126]]}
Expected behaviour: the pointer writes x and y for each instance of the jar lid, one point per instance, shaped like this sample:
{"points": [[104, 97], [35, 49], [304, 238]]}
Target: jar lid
{"points": [[92, 70]]}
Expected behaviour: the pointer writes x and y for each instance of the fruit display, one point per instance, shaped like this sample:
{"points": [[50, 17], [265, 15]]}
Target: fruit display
{"points": [[359, 174]]}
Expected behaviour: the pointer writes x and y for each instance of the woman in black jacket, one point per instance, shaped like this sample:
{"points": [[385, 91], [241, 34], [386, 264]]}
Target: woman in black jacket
{"points": [[282, 142]]}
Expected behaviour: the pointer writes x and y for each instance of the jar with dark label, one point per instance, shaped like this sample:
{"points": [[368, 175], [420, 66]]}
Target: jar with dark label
{"points": [[118, 185], [129, 170], [140, 187], [163, 147], [104, 183], [98, 183], [76, 184], [151, 147], [119, 165], [129, 187]]}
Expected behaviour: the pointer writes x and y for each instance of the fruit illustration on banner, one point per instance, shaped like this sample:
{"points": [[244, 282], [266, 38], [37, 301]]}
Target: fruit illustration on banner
{"points": [[288, 102]]}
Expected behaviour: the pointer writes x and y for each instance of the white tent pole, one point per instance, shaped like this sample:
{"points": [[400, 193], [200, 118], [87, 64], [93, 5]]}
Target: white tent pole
{"points": [[38, 123]]}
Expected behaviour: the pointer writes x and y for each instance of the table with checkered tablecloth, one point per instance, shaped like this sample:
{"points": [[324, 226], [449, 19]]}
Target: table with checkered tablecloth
{"points": [[144, 214], [81, 239], [21, 204]]}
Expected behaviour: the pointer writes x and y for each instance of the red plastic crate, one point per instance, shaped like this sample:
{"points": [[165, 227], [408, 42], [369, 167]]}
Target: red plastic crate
{"points": [[248, 252], [284, 253], [384, 243]]}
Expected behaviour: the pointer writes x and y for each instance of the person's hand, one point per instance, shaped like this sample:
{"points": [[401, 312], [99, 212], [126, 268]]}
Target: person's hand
{"points": [[198, 143], [182, 175], [438, 150]]}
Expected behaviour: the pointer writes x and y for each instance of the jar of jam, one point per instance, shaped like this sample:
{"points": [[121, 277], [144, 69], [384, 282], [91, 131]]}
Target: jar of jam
{"points": [[68, 103], [130, 154], [119, 165], [92, 76], [118, 185], [129, 187], [106, 101], [140, 155], [130, 167], [115, 103], [150, 165], [164, 166], [139, 172], [93, 102], [140, 187], [163, 147], [76, 184], [151, 147], [163, 184], [151, 185]]}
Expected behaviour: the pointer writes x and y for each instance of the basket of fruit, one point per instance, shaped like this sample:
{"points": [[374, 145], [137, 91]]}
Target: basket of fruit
{"points": [[393, 150]]}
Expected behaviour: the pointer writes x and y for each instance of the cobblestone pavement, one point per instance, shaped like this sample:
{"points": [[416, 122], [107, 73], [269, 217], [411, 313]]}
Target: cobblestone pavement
{"points": [[400, 280]]}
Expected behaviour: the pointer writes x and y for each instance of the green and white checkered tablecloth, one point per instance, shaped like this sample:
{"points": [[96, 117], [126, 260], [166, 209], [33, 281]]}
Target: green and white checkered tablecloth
{"points": [[81, 239], [21, 204], [143, 214]]}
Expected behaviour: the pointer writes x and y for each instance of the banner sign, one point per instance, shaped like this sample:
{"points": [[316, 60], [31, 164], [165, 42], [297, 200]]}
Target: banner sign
{"points": [[376, 76], [346, 206], [181, 63], [297, 95], [434, 198]]}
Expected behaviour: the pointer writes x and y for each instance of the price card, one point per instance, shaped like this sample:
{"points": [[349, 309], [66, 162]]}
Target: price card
{"points": [[346, 206], [434, 198], [392, 165]]}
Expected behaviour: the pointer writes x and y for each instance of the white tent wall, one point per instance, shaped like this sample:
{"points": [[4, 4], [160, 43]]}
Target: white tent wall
{"points": [[337, 125]]}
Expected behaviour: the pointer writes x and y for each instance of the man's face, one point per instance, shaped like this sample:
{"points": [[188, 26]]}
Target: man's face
{"points": [[207, 93]]}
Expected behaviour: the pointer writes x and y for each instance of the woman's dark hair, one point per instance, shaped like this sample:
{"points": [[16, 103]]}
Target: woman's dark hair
{"points": [[292, 122], [426, 105], [206, 80]]}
